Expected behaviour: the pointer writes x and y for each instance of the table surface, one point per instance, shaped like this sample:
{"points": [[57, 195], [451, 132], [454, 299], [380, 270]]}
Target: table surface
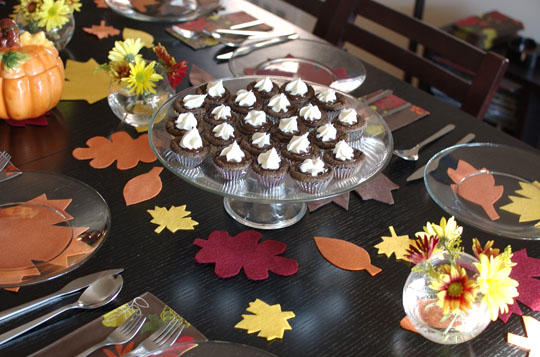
{"points": [[337, 312]]}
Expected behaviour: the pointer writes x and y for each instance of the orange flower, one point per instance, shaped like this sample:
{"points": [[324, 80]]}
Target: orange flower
{"points": [[455, 291], [487, 250], [119, 350]]}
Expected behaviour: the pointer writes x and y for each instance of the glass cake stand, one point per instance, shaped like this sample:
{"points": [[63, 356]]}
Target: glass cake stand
{"points": [[246, 200]]}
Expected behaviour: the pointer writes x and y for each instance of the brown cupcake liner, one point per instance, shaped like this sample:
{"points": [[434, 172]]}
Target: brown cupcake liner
{"points": [[313, 186], [189, 162], [270, 181], [232, 175]]}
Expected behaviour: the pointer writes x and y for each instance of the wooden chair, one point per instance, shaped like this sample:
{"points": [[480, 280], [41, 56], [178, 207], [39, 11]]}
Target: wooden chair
{"points": [[485, 68]]}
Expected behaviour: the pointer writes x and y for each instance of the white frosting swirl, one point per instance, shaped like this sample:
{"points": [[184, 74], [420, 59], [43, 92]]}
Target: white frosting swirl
{"points": [[185, 121], [348, 116], [269, 160], [264, 85], [296, 87], [342, 151], [311, 112], [279, 103], [222, 112], [260, 140], [192, 101], [245, 98], [299, 144], [224, 131], [233, 153], [255, 118], [288, 125], [215, 89], [327, 95], [191, 140], [313, 167], [327, 132]]}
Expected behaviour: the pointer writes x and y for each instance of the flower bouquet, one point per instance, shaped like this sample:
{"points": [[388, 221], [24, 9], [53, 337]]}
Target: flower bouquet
{"points": [[451, 296]]}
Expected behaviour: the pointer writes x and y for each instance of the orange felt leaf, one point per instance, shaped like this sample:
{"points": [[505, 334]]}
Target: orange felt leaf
{"points": [[102, 31], [101, 4], [345, 255], [406, 324], [143, 187], [479, 189], [122, 148], [141, 5]]}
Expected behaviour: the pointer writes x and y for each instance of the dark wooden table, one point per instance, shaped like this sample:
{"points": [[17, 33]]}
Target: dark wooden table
{"points": [[337, 312]]}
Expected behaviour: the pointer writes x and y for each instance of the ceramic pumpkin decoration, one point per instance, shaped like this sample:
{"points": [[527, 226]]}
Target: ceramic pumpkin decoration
{"points": [[31, 73]]}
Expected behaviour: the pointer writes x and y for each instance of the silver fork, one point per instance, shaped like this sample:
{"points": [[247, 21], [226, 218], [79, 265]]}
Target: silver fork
{"points": [[4, 159], [165, 336], [120, 335]]}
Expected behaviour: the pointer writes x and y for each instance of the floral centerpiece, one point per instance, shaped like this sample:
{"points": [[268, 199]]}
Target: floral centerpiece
{"points": [[450, 296]]}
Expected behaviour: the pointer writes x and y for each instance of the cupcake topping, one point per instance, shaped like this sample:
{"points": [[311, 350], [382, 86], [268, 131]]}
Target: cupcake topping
{"points": [[260, 140], [192, 101], [264, 85], [326, 133], [221, 112], [348, 116], [327, 96], [245, 98], [310, 112], [299, 144], [269, 160], [296, 87], [223, 131], [288, 125], [215, 89], [313, 167], [186, 121], [191, 140], [233, 153], [342, 151], [255, 118], [279, 103]]}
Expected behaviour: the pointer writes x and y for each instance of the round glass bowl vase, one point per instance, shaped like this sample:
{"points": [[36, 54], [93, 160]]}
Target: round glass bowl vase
{"points": [[59, 36], [420, 304]]}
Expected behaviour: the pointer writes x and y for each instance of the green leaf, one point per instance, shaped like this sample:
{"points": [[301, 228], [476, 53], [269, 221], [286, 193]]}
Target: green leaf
{"points": [[153, 322], [13, 60]]}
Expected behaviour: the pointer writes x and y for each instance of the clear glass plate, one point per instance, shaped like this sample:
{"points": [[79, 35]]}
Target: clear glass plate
{"points": [[210, 348], [313, 61], [164, 10], [80, 229], [508, 166]]}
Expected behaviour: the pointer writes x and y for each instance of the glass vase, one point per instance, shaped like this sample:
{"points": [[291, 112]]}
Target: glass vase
{"points": [[59, 36], [419, 301]]}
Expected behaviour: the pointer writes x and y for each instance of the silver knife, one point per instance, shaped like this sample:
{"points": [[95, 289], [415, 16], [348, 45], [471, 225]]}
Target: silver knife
{"points": [[419, 173], [71, 287], [244, 50]]}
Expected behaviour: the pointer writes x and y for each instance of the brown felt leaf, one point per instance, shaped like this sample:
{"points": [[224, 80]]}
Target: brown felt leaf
{"points": [[102, 31], [341, 200], [345, 255], [143, 187], [478, 186], [121, 148], [141, 5], [379, 189]]}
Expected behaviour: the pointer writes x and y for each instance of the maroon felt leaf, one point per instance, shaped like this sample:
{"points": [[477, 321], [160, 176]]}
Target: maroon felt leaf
{"points": [[380, 189], [230, 254], [39, 121], [341, 200], [524, 273]]}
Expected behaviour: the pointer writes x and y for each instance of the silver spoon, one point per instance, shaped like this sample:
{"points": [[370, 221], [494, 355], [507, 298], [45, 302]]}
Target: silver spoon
{"points": [[99, 293], [412, 153]]}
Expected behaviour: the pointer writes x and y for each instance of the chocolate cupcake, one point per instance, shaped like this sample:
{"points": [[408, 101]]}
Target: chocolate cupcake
{"points": [[216, 94], [195, 103], [329, 100], [326, 136], [311, 116], [264, 88], [298, 91], [287, 128], [244, 101], [344, 159], [232, 163], [183, 123], [220, 136], [312, 175], [190, 149], [254, 121], [257, 143], [298, 149], [279, 106], [349, 121], [220, 114], [270, 170]]}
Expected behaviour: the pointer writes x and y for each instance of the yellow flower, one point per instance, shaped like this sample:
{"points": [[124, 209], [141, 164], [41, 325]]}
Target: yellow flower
{"points": [[455, 291], [495, 283], [53, 14], [126, 50], [74, 5], [142, 77], [446, 230]]}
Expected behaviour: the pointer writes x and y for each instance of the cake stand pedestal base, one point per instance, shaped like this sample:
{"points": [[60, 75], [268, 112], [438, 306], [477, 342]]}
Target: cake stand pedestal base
{"points": [[265, 215]]}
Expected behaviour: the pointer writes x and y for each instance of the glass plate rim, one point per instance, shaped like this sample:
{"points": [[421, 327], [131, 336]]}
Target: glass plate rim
{"points": [[199, 12]]}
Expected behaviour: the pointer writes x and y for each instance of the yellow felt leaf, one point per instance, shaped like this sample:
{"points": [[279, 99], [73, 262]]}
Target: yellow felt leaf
{"points": [[531, 342], [173, 219], [118, 316], [83, 82], [394, 244], [146, 38], [528, 206], [142, 129], [270, 321]]}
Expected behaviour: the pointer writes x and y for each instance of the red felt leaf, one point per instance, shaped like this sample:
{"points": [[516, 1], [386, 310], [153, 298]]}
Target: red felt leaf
{"points": [[243, 251], [524, 273]]}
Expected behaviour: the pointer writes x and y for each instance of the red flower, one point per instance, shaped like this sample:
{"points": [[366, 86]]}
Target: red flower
{"points": [[176, 73], [422, 249]]}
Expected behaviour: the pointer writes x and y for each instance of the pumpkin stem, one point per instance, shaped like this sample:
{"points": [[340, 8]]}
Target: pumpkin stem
{"points": [[9, 33]]}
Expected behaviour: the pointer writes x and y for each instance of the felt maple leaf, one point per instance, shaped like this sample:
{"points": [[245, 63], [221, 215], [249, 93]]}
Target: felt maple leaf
{"points": [[379, 188], [527, 206], [83, 82], [231, 254], [141, 5], [529, 343], [173, 219], [395, 244], [102, 31], [268, 320], [341, 200]]}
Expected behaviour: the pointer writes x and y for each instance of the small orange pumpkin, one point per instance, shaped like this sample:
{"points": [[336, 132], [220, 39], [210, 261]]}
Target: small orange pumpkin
{"points": [[31, 74]]}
